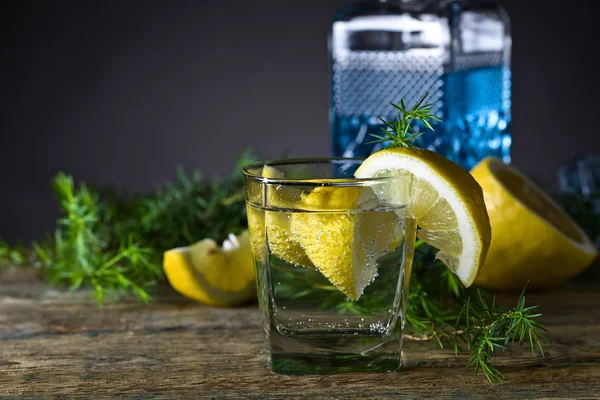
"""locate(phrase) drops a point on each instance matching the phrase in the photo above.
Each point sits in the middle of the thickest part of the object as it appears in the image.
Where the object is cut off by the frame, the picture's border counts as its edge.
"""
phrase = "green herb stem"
(401, 132)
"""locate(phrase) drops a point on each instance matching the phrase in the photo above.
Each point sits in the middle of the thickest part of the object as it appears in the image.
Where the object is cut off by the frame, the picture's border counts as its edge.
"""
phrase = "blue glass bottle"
(458, 51)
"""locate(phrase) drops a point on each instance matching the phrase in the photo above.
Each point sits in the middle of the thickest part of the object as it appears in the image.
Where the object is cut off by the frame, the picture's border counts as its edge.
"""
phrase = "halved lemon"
(534, 240)
(206, 272)
(447, 204)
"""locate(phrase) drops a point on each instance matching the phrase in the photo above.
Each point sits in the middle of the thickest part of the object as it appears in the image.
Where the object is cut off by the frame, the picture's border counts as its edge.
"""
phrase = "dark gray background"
(119, 92)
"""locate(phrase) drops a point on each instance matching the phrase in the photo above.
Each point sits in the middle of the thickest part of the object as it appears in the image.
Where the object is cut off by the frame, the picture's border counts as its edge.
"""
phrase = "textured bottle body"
(459, 53)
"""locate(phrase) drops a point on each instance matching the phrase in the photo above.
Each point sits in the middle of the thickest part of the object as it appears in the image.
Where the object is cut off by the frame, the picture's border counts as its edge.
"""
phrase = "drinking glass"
(332, 256)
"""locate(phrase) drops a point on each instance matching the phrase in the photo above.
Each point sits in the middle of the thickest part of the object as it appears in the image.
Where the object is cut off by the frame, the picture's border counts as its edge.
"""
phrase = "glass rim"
(341, 182)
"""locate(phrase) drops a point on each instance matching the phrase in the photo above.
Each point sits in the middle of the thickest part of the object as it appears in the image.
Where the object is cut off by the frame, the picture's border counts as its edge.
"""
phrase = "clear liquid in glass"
(312, 327)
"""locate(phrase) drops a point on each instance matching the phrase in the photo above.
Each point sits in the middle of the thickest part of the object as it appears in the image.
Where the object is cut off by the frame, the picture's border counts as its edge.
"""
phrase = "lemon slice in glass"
(276, 224)
(447, 204)
(343, 237)
(206, 272)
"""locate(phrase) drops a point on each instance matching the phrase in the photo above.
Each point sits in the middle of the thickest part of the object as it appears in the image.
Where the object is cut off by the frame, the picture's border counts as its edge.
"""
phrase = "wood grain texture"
(60, 345)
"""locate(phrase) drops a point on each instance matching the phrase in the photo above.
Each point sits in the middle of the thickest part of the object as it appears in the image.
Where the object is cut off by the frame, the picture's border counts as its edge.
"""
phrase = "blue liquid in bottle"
(459, 52)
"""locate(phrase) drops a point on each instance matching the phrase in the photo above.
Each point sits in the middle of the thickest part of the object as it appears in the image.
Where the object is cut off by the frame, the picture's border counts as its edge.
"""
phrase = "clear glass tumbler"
(331, 258)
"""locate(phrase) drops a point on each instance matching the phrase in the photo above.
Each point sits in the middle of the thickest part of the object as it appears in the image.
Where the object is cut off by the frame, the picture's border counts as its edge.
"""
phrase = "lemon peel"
(214, 275)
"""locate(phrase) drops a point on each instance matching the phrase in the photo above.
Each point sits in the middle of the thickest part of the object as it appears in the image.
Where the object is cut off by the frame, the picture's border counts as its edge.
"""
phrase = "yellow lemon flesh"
(276, 224)
(447, 204)
(534, 240)
(344, 245)
(219, 276)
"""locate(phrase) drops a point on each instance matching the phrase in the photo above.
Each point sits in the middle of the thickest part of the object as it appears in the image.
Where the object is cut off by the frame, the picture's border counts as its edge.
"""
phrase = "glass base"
(321, 364)
(303, 354)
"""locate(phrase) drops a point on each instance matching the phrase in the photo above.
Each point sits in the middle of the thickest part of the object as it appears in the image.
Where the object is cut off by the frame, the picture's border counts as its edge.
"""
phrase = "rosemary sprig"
(442, 310)
(85, 251)
(494, 330)
(401, 132)
(480, 326)
(11, 255)
(113, 241)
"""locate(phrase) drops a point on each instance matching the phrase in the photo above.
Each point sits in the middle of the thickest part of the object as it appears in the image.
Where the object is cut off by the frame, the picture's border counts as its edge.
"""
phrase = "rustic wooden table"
(60, 345)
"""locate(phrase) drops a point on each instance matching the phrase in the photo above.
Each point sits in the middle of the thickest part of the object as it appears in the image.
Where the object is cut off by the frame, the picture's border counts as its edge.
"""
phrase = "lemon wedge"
(447, 204)
(344, 245)
(276, 224)
(214, 275)
(534, 240)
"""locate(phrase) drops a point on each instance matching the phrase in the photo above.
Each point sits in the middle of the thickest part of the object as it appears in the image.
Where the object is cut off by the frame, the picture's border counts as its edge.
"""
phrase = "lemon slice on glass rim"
(447, 204)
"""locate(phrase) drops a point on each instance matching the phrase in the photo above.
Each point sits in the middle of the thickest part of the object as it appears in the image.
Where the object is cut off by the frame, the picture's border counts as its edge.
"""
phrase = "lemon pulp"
(213, 275)
(342, 240)
(275, 225)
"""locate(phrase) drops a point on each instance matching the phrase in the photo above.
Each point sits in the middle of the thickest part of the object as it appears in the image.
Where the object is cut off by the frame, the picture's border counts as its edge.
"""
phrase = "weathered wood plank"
(55, 343)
